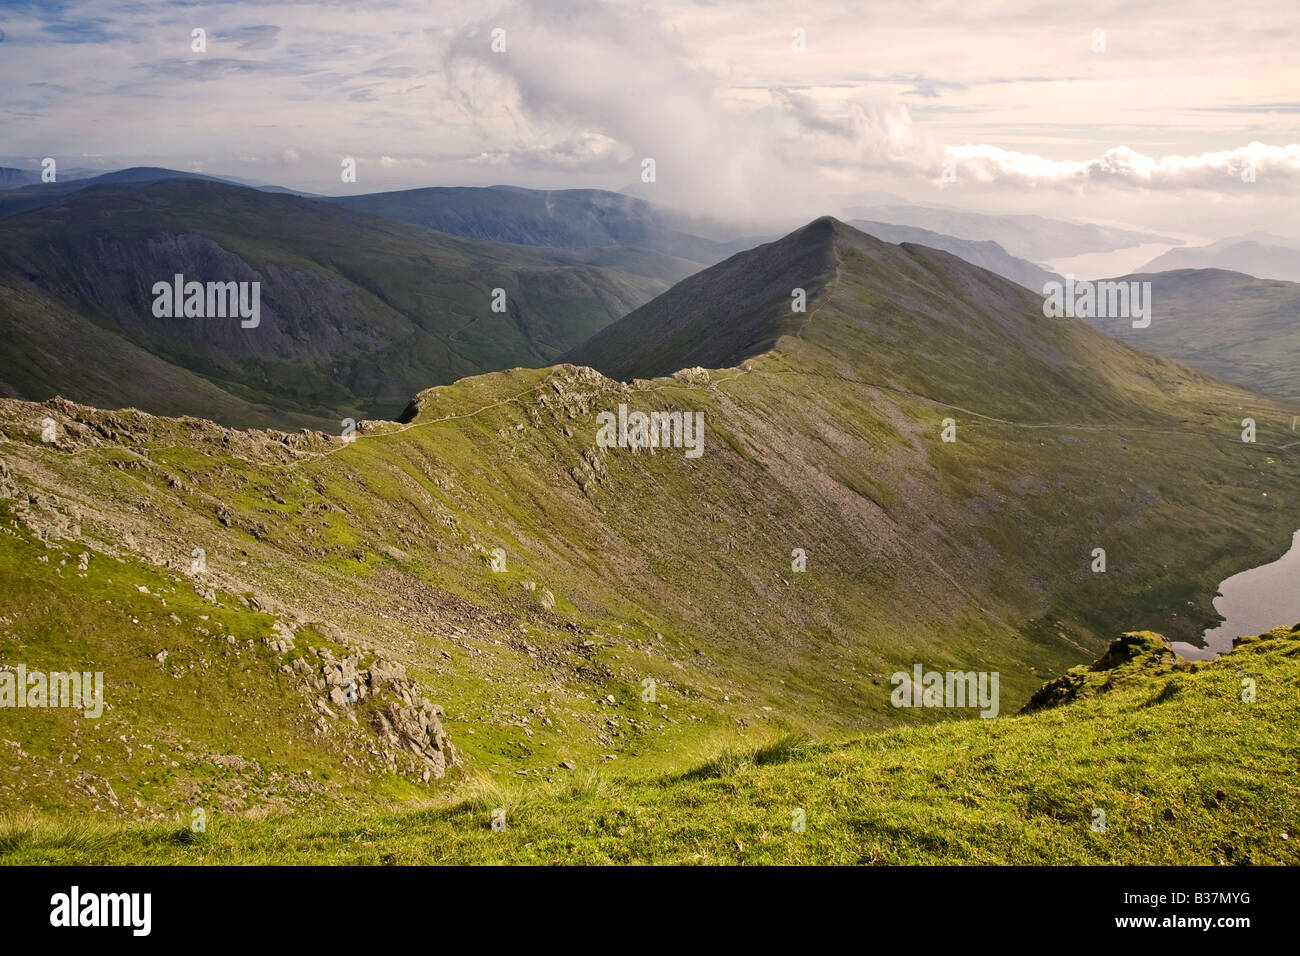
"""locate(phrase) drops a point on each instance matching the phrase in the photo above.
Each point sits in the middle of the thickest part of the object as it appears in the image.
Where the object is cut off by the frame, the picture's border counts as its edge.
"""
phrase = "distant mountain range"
(986, 254)
(566, 218)
(36, 194)
(74, 254)
(1035, 238)
(1259, 254)
(11, 176)
(359, 312)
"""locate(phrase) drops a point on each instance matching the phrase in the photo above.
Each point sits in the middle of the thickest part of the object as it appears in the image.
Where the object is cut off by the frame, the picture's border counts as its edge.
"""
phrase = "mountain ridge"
(986, 254)
(361, 311)
(567, 218)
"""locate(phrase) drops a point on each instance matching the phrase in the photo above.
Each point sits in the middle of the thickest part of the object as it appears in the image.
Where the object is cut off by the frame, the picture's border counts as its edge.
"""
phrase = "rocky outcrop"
(415, 729)
(1133, 656)
(405, 722)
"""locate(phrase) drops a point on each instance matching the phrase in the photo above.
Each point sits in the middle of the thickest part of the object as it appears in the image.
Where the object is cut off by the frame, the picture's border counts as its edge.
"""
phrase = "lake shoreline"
(1252, 602)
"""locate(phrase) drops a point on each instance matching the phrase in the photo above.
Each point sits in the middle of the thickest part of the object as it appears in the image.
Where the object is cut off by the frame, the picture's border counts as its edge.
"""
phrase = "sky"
(1179, 116)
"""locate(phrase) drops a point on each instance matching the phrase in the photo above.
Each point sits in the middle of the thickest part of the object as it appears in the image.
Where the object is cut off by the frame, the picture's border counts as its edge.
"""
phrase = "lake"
(1252, 602)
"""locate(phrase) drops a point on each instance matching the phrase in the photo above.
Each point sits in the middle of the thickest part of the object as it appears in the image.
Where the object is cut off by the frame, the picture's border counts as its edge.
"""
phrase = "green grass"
(1192, 776)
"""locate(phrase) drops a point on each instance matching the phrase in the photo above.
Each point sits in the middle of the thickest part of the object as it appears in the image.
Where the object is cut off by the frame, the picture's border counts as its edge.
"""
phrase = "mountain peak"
(823, 229)
(847, 305)
(744, 305)
(726, 313)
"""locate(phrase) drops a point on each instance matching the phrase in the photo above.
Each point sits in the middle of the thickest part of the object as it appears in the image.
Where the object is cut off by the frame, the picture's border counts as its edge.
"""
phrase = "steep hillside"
(720, 316)
(1169, 767)
(904, 316)
(987, 254)
(1242, 329)
(357, 313)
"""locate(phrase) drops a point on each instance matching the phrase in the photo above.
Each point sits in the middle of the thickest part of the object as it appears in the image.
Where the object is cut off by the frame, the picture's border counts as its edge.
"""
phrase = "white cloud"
(589, 152)
(1253, 164)
(735, 120)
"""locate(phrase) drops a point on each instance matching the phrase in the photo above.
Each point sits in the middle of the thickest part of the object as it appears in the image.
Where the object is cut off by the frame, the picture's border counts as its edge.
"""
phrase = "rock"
(417, 731)
(692, 376)
(568, 764)
(284, 634)
(382, 672)
(161, 656)
(281, 637)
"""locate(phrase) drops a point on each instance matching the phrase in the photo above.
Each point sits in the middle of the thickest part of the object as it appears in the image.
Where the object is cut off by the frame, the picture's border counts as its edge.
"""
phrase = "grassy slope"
(215, 724)
(382, 538)
(1184, 771)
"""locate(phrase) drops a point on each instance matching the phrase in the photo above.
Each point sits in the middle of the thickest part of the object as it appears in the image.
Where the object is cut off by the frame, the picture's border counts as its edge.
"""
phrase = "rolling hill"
(1242, 329)
(358, 313)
